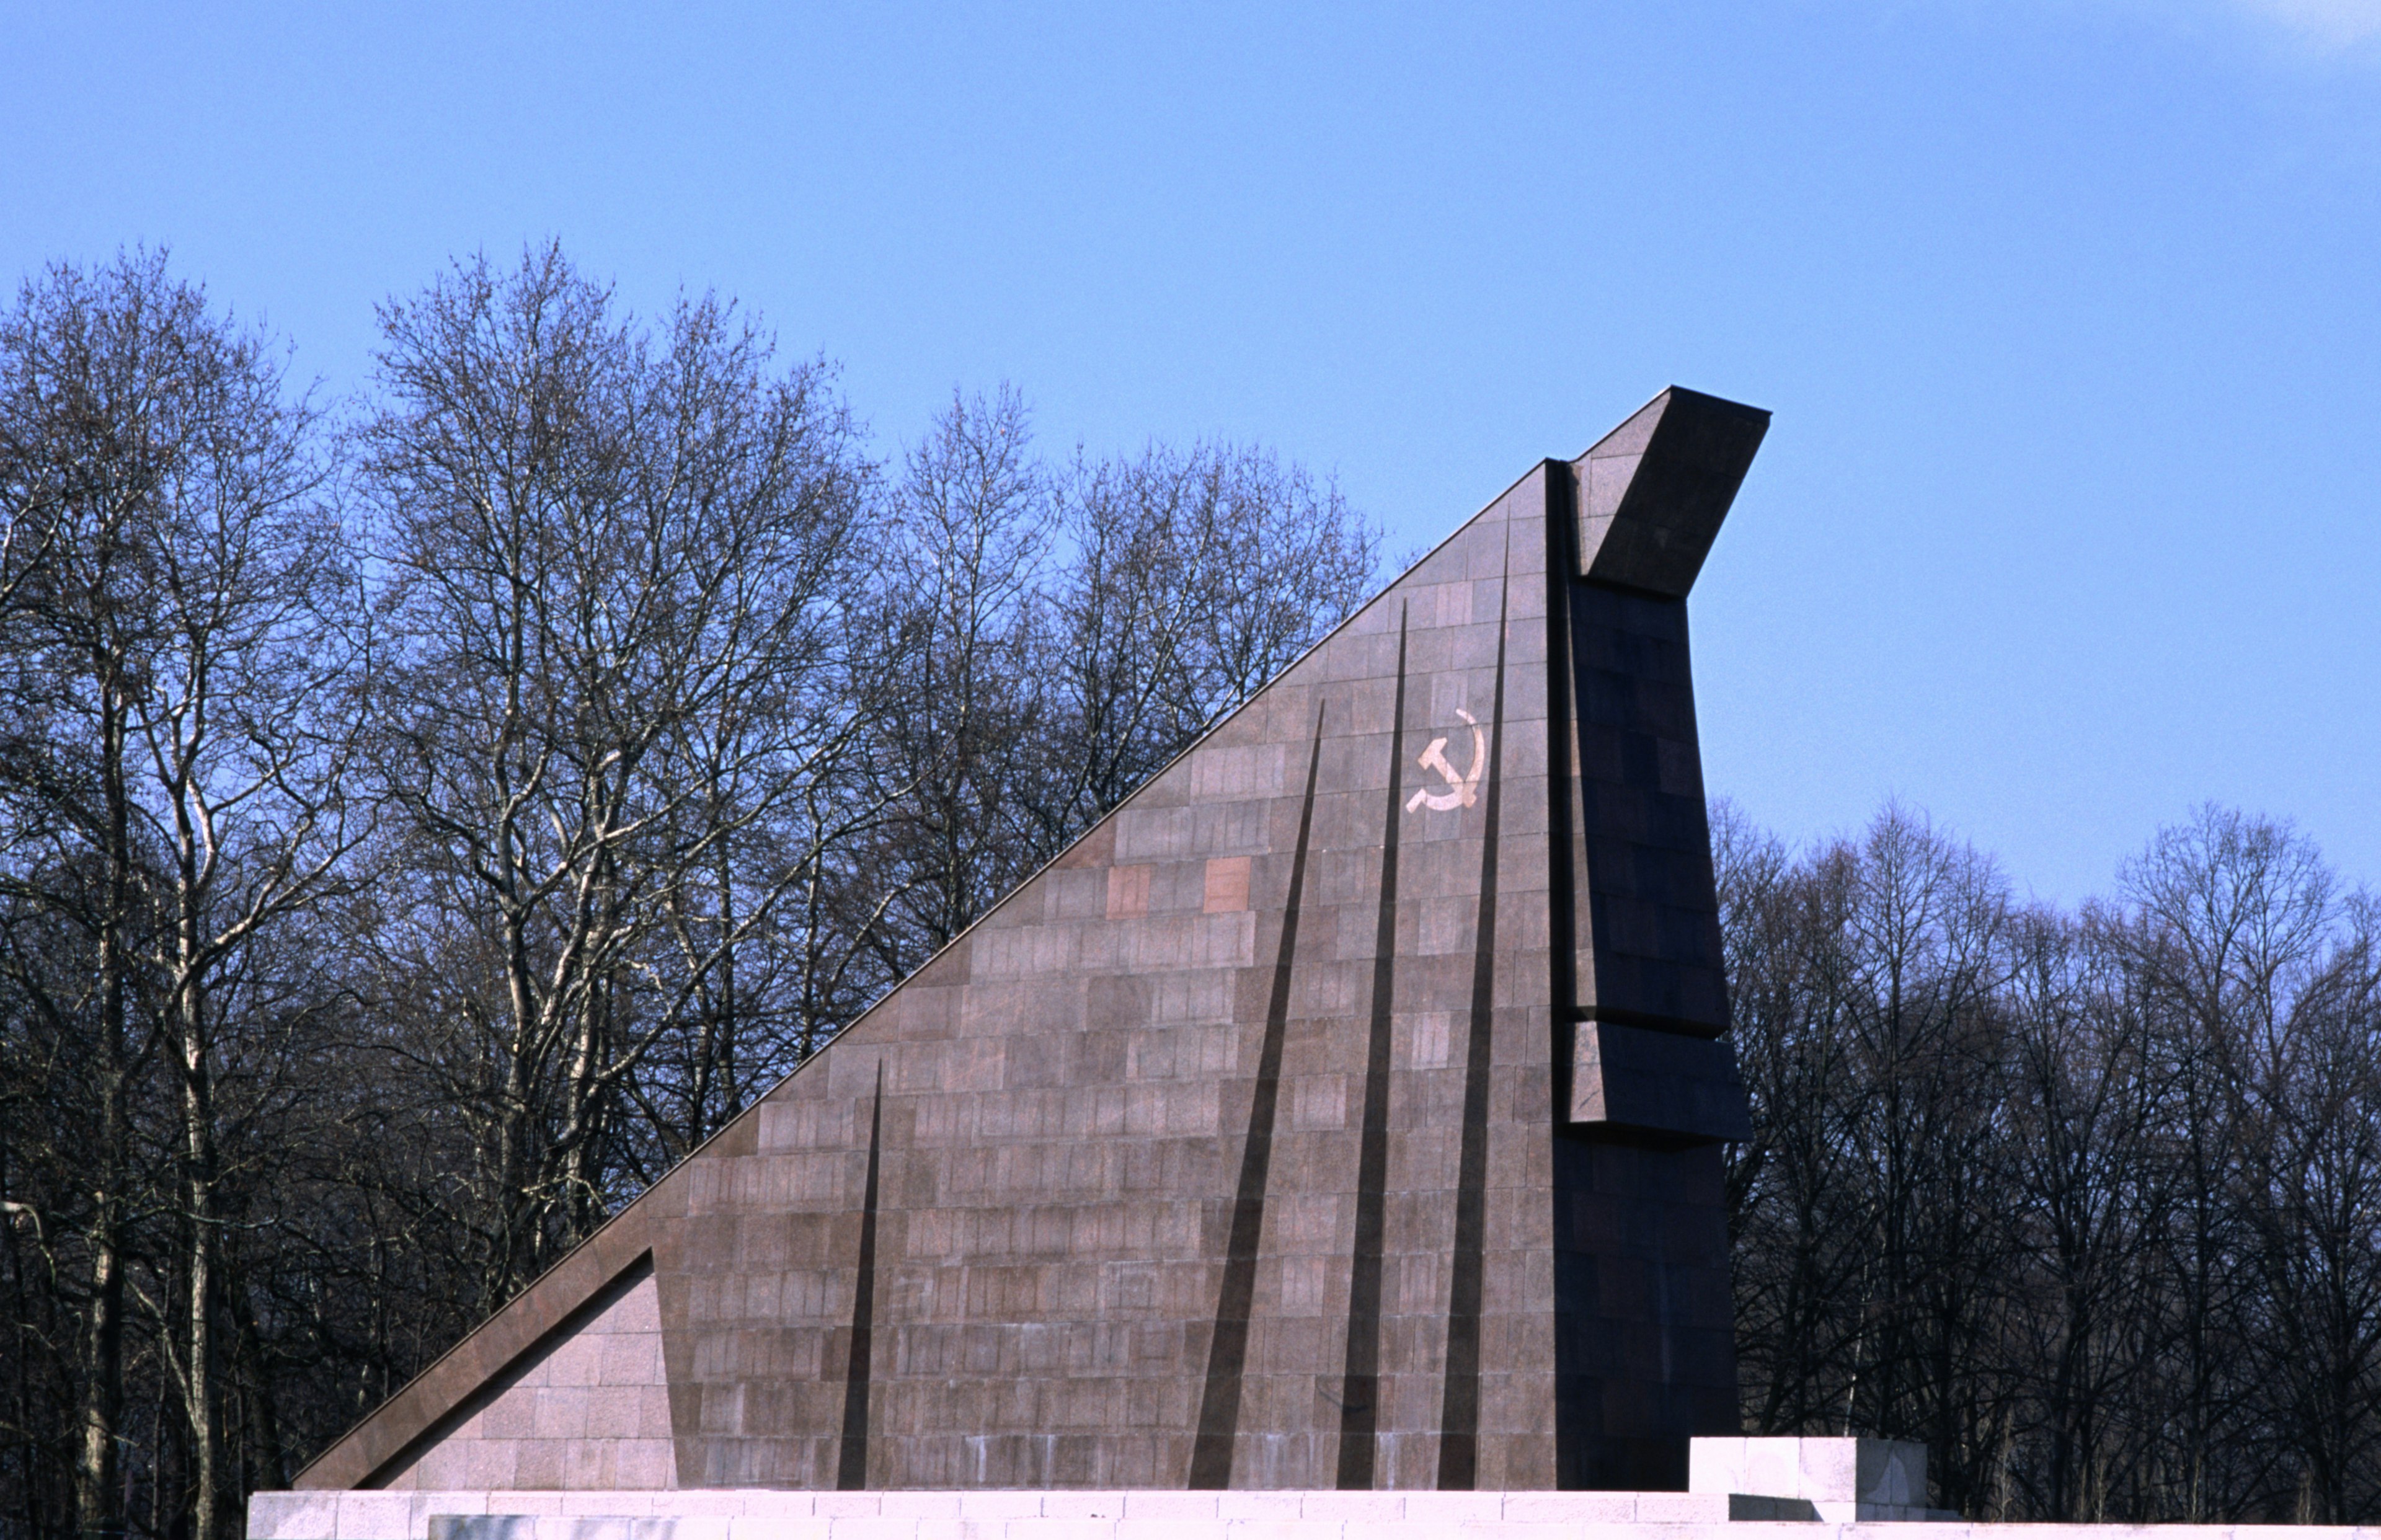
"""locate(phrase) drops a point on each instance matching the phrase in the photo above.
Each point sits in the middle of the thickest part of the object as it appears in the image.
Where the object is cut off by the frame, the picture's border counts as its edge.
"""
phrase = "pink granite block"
(1171, 1505)
(1571, 1507)
(1179, 1527)
(1054, 1529)
(374, 1516)
(780, 1528)
(293, 1516)
(644, 1462)
(1449, 1508)
(487, 1462)
(1280, 1529)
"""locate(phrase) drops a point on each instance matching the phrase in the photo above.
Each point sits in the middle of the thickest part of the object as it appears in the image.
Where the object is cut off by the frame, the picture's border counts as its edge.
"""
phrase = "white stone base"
(1840, 1481)
(1740, 1489)
(979, 1515)
(1073, 1515)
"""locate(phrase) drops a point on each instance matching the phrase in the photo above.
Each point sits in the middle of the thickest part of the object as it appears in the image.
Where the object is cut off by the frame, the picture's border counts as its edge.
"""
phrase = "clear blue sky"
(2069, 310)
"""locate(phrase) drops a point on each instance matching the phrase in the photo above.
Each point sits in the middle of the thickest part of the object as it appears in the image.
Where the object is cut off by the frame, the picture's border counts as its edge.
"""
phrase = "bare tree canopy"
(621, 565)
(2085, 1201)
(180, 650)
(1067, 630)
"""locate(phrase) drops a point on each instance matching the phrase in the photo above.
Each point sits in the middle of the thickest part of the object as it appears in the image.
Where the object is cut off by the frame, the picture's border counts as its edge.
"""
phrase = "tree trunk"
(97, 1499)
(198, 1396)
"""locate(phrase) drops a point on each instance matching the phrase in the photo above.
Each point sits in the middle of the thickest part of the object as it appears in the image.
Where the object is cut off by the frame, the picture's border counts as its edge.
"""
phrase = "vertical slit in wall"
(852, 1465)
(1574, 1281)
(1219, 1403)
(1360, 1385)
(1459, 1438)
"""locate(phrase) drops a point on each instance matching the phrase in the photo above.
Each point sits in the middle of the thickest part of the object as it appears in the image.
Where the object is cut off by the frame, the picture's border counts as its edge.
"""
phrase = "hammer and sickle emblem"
(1462, 790)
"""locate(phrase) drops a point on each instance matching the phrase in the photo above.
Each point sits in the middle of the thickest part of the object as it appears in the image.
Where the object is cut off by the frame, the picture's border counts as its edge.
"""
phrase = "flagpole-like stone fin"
(1653, 492)
(1650, 498)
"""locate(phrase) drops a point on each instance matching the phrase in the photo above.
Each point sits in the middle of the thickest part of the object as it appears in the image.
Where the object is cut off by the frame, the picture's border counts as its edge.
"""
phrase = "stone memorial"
(1324, 1147)
(1343, 1111)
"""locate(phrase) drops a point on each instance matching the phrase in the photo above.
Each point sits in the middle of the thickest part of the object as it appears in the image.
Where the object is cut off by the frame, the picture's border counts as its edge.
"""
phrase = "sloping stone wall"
(589, 1410)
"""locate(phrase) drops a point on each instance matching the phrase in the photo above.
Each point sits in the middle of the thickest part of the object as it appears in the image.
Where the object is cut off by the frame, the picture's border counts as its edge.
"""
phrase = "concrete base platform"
(1741, 1489)
(970, 1515)
(1078, 1515)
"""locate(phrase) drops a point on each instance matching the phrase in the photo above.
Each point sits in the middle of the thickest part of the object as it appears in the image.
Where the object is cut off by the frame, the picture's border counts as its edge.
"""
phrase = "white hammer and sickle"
(1461, 790)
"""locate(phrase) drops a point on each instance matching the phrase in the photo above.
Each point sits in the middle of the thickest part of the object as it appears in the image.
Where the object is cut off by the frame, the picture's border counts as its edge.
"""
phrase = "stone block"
(1842, 1480)
(1661, 1083)
(1650, 493)
(1180, 1527)
(749, 1528)
(375, 1516)
(293, 1516)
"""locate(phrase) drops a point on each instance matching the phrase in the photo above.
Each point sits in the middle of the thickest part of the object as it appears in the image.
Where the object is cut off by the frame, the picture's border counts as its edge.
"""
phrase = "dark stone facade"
(1341, 1111)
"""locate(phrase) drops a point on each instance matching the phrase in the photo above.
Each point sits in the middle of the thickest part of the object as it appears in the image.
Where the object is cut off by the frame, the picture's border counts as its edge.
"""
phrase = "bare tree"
(2084, 1110)
(1074, 629)
(1196, 576)
(969, 620)
(2084, 1201)
(1873, 1060)
(1796, 1186)
(621, 559)
(2227, 908)
(182, 642)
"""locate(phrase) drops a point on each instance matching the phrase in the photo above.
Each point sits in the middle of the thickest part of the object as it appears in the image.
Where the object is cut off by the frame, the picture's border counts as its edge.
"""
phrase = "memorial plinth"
(1813, 1485)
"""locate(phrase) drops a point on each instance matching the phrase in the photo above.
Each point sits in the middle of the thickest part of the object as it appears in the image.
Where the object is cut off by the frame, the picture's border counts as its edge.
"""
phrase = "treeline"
(425, 818)
(2089, 1203)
